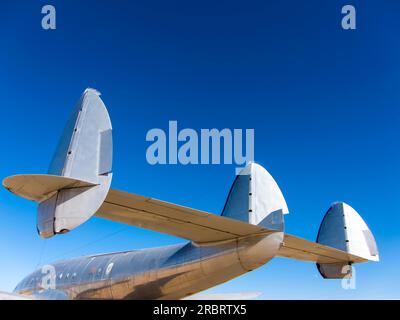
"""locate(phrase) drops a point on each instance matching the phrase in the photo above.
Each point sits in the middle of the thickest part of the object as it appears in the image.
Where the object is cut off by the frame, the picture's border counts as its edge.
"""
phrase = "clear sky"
(324, 103)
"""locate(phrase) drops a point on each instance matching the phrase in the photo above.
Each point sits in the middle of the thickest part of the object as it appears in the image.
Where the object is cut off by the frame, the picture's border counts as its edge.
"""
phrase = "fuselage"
(172, 272)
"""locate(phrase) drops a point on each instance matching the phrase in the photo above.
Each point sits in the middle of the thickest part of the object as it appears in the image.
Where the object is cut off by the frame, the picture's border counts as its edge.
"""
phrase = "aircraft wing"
(172, 219)
(301, 249)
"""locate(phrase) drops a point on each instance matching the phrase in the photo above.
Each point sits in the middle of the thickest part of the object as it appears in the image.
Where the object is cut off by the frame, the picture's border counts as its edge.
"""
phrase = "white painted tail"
(344, 229)
(256, 198)
(79, 175)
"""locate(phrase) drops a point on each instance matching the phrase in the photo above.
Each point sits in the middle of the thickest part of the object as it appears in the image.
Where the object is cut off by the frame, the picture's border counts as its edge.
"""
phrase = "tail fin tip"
(256, 198)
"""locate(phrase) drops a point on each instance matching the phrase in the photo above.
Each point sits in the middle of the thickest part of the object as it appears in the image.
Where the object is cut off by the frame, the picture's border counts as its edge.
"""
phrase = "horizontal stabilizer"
(164, 217)
(301, 249)
(39, 187)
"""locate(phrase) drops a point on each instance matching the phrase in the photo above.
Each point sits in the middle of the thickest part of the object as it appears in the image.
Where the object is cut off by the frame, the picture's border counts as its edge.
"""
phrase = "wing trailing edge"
(191, 224)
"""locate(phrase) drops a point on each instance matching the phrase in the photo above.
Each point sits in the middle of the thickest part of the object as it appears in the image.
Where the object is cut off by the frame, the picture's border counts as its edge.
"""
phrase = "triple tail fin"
(80, 173)
(256, 198)
(344, 229)
(343, 239)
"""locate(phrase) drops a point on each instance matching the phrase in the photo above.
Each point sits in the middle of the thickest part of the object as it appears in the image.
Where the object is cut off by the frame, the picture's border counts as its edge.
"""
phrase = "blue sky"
(324, 104)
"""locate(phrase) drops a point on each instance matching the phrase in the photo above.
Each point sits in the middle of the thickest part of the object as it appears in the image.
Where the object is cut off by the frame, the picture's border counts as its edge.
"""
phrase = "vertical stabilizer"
(256, 198)
(344, 229)
(83, 153)
(79, 175)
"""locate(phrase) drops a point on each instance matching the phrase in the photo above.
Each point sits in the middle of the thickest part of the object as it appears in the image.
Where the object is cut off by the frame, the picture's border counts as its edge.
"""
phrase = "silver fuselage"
(172, 272)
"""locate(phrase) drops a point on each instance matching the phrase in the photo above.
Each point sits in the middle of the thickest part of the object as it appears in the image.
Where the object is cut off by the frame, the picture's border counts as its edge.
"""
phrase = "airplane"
(248, 233)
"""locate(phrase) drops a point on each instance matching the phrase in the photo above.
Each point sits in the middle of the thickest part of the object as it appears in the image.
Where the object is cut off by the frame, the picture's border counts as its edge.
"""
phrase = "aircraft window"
(67, 275)
(61, 275)
(74, 275)
(99, 271)
(109, 268)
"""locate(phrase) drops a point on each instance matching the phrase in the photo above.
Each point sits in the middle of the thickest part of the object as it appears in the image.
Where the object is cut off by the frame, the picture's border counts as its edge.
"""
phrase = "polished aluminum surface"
(172, 272)
(247, 235)
(84, 153)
